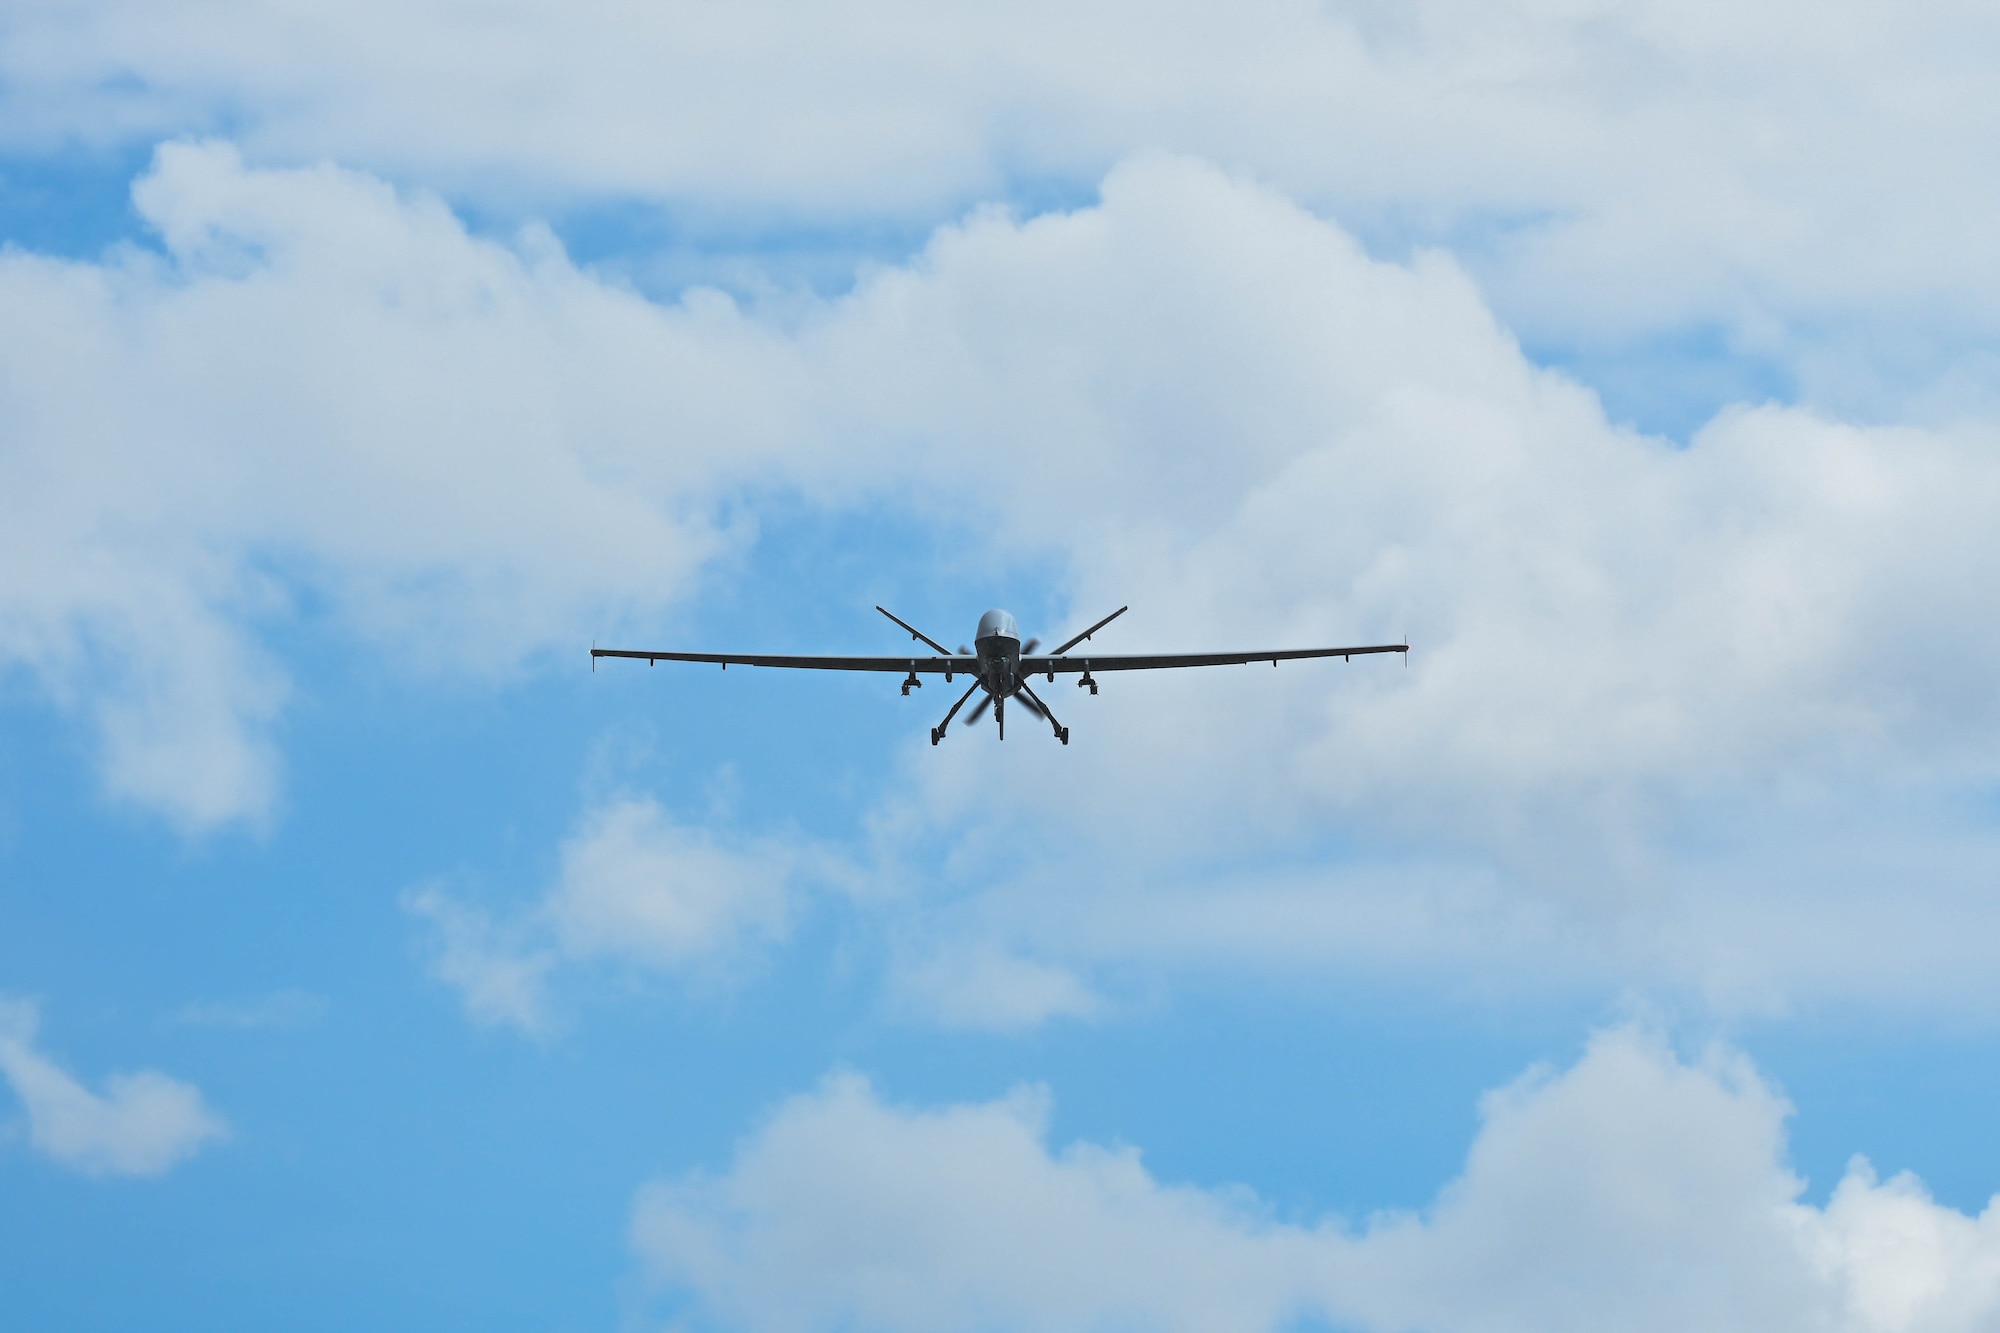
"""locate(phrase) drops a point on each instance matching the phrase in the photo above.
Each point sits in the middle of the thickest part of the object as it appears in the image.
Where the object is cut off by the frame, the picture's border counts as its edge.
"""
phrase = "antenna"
(1087, 633)
(915, 633)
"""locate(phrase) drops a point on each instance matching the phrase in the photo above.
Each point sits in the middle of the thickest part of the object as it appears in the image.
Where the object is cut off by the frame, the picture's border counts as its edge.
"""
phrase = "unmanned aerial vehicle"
(1000, 664)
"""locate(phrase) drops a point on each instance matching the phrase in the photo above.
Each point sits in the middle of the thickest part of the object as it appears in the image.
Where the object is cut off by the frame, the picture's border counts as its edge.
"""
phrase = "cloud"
(1631, 1191)
(1620, 173)
(279, 1009)
(143, 1124)
(976, 986)
(451, 440)
(637, 885)
(1214, 406)
(1636, 663)
(635, 888)
(322, 391)
(500, 975)
(1193, 396)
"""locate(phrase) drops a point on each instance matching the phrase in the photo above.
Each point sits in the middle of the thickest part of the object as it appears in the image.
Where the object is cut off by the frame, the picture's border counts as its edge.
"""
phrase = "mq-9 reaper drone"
(1000, 664)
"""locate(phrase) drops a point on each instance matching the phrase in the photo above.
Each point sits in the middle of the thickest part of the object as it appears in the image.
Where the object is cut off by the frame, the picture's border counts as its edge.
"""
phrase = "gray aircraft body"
(1000, 664)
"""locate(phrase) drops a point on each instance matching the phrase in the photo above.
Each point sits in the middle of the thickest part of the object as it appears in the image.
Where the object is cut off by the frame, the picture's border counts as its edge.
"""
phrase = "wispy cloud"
(500, 972)
(636, 887)
(279, 1010)
(142, 1124)
(979, 985)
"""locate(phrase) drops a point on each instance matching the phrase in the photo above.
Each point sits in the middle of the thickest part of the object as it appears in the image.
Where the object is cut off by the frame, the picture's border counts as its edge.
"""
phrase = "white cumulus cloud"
(1631, 1191)
(326, 388)
(1791, 181)
(1191, 395)
(1252, 432)
(141, 1124)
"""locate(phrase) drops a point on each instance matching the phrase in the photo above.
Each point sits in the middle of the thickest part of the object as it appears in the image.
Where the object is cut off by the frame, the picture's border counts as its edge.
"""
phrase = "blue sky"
(1625, 960)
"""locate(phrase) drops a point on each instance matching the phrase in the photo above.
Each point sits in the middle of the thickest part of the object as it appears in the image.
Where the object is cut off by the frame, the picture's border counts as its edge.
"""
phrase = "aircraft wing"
(1041, 666)
(950, 664)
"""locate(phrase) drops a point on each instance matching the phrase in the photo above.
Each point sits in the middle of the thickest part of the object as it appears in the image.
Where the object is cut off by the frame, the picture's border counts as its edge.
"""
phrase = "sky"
(1628, 958)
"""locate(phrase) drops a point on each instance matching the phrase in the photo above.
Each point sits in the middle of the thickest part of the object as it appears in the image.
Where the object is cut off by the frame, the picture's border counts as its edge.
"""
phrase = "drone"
(1000, 664)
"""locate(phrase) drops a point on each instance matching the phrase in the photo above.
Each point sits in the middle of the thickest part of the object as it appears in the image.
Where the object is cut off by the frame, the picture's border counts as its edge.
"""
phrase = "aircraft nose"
(998, 622)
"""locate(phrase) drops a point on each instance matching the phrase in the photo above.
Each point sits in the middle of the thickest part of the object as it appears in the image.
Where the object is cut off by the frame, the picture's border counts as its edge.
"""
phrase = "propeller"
(979, 710)
(1030, 646)
(1028, 703)
(964, 651)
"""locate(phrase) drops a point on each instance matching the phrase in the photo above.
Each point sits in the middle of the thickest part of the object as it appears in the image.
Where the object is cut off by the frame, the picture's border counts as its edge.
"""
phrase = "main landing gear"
(937, 732)
(1026, 697)
(1035, 704)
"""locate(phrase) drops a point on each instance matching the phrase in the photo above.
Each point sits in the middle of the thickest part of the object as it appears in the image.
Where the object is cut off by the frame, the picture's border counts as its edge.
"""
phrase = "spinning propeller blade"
(979, 710)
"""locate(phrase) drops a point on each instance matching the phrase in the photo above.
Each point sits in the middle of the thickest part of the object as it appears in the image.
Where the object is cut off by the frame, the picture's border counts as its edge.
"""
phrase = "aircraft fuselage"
(998, 644)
